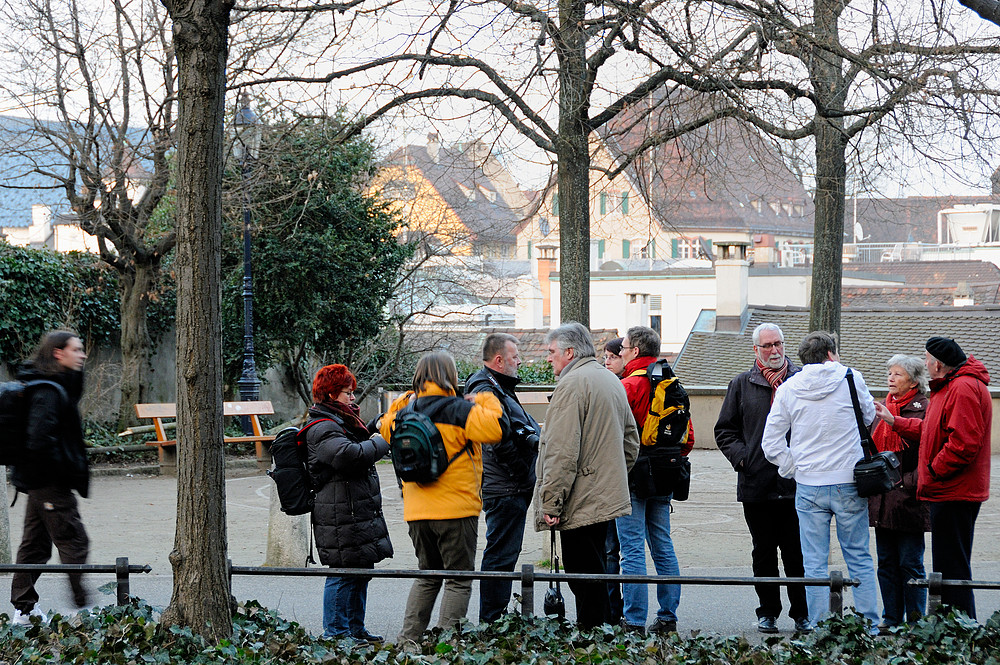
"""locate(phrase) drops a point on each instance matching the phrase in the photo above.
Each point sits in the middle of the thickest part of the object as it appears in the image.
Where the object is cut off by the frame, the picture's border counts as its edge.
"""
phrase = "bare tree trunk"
(987, 9)
(201, 597)
(135, 342)
(826, 72)
(573, 155)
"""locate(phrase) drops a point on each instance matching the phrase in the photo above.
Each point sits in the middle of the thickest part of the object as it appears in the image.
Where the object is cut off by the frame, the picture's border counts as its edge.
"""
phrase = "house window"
(648, 249)
(543, 225)
(624, 203)
(655, 322)
(684, 248)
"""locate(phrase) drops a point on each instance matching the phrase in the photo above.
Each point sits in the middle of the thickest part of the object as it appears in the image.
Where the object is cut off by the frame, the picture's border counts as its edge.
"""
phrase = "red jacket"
(637, 388)
(640, 394)
(954, 462)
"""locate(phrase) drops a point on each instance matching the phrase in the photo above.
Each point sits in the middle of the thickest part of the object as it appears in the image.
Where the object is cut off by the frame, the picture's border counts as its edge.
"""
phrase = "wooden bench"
(168, 447)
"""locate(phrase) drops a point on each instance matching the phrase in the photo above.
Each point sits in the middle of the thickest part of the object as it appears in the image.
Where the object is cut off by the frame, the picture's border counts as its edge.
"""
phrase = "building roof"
(22, 154)
(869, 337)
(487, 208)
(900, 220)
(924, 283)
(722, 177)
(938, 273)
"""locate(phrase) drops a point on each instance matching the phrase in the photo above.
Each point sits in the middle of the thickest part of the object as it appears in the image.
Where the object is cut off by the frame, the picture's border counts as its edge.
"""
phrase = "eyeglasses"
(773, 345)
(349, 393)
(627, 347)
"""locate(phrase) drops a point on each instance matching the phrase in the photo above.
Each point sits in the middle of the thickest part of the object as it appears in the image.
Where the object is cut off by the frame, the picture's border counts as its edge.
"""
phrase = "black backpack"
(289, 473)
(14, 417)
(415, 444)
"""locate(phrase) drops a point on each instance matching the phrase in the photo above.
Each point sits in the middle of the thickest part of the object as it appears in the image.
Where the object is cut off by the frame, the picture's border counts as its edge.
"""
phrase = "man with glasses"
(768, 499)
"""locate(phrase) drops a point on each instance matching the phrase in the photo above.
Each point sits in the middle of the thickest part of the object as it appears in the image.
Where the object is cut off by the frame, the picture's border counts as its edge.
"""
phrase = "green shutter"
(626, 249)
(600, 249)
(673, 248)
(652, 248)
(624, 203)
(529, 250)
(604, 203)
(555, 203)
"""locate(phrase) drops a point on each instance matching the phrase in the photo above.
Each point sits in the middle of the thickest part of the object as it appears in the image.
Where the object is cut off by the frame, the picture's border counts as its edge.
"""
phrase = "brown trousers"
(51, 518)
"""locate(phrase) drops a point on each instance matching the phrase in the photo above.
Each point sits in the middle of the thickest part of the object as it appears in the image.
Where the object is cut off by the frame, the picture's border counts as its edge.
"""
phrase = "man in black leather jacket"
(55, 464)
(508, 471)
(768, 500)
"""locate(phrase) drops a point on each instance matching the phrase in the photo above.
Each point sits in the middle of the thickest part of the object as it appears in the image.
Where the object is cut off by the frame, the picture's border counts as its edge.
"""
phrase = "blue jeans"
(344, 601)
(504, 533)
(648, 523)
(900, 559)
(816, 506)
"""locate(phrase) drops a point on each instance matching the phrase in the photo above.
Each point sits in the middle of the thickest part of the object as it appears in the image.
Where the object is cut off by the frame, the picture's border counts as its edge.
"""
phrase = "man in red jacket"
(953, 472)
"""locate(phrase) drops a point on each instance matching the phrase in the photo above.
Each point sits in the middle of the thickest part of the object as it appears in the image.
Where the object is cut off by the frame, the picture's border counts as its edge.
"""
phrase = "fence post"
(527, 590)
(934, 587)
(121, 576)
(836, 592)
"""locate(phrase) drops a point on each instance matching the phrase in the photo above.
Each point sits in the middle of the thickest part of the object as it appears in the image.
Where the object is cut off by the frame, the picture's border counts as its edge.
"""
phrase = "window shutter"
(600, 249)
(604, 203)
(624, 203)
(529, 250)
(673, 248)
(652, 248)
(555, 203)
(626, 249)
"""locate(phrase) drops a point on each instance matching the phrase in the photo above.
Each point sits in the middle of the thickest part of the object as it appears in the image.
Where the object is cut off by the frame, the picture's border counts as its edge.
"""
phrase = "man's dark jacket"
(739, 431)
(55, 455)
(509, 466)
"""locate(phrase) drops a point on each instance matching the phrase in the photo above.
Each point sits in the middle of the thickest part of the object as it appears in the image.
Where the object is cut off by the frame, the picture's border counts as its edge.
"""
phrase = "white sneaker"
(21, 619)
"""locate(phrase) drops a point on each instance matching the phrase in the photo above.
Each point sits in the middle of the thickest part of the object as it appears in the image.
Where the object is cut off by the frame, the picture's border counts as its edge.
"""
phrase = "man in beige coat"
(588, 443)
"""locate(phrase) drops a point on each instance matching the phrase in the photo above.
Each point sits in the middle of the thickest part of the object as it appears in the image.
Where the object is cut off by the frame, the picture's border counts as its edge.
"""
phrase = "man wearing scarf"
(768, 499)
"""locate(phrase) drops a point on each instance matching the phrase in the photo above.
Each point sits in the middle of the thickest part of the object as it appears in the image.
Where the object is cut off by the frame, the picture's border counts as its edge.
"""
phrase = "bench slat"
(169, 409)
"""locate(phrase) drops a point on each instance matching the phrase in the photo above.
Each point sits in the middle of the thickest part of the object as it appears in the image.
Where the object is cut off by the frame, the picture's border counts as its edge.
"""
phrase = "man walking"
(508, 471)
(588, 444)
(54, 465)
(768, 499)
(816, 406)
(953, 471)
(649, 521)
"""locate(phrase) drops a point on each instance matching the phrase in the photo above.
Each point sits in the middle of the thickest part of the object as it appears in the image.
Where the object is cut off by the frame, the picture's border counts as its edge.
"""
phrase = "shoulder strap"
(862, 430)
(433, 410)
(302, 430)
(45, 382)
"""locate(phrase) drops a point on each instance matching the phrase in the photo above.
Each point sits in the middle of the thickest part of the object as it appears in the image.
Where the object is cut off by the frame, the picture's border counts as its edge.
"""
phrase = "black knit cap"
(946, 350)
(614, 346)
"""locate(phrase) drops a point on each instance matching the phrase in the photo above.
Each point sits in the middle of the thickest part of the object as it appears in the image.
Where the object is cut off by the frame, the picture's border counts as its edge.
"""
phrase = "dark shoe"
(661, 627)
(767, 625)
(632, 628)
(364, 636)
(802, 625)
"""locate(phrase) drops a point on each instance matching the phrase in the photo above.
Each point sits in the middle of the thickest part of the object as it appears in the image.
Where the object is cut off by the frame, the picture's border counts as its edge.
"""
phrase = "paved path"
(133, 516)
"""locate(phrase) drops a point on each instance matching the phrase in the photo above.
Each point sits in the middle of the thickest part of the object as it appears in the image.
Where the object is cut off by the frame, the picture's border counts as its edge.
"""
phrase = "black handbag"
(876, 473)
(662, 474)
(553, 604)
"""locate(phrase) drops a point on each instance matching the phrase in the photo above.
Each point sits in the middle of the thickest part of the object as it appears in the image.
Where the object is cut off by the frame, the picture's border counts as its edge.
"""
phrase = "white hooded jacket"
(815, 405)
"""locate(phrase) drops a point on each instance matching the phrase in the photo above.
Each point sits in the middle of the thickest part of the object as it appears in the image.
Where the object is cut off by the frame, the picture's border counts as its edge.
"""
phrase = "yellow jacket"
(457, 492)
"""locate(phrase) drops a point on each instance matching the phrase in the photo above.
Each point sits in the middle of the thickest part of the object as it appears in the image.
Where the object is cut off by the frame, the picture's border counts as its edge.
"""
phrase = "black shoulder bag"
(553, 603)
(876, 473)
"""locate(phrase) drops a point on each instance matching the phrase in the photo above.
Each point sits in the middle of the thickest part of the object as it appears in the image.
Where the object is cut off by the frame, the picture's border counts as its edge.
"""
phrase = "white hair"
(914, 368)
(766, 326)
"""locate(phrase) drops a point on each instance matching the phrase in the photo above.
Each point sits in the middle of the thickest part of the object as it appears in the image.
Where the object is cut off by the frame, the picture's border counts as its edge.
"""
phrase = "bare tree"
(827, 71)
(97, 85)
(201, 597)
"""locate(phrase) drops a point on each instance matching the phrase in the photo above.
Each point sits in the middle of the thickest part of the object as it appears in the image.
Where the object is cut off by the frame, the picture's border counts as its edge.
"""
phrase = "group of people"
(791, 433)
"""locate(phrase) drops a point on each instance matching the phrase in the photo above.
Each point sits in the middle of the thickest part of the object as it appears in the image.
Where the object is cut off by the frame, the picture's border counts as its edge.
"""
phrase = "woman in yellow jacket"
(443, 516)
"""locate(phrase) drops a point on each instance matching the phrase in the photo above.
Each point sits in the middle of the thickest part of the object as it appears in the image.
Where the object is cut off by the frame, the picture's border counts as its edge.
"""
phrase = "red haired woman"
(347, 518)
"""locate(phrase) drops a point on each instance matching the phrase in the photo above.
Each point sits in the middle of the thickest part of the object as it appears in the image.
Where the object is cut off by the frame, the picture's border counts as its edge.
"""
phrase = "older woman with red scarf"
(900, 520)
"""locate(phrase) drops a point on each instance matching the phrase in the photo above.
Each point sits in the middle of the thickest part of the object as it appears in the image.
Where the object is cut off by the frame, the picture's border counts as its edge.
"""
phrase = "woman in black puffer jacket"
(347, 519)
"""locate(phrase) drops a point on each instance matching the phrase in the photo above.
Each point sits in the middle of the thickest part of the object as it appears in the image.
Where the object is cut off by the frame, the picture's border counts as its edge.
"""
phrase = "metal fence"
(527, 577)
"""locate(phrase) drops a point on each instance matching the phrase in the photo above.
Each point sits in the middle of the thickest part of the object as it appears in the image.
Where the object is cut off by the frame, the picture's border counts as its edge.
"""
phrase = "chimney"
(732, 274)
(963, 295)
(433, 146)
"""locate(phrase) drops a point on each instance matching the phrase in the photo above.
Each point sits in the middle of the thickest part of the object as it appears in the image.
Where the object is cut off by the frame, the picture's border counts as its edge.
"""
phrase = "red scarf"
(773, 376)
(885, 439)
(351, 413)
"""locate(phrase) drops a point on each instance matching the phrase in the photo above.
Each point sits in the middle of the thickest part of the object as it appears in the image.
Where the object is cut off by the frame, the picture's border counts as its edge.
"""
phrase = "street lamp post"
(245, 145)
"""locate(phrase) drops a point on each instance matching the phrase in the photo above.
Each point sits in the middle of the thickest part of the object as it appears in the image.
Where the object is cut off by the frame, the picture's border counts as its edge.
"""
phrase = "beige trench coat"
(588, 443)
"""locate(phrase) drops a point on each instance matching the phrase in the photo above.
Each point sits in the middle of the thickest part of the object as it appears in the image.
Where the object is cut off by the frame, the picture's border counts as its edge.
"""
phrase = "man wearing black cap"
(954, 463)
